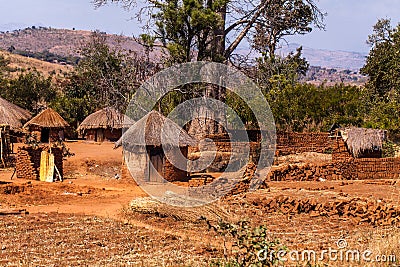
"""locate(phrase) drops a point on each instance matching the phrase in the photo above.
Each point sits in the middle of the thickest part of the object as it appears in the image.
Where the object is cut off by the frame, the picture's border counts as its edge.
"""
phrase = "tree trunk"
(209, 121)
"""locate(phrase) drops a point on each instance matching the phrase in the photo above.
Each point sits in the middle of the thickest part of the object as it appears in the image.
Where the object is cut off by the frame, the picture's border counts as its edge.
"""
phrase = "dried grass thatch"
(360, 140)
(213, 212)
(12, 115)
(47, 119)
(106, 118)
(155, 130)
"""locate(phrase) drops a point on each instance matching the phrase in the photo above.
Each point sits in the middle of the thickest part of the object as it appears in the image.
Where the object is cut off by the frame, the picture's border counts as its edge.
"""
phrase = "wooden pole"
(1, 147)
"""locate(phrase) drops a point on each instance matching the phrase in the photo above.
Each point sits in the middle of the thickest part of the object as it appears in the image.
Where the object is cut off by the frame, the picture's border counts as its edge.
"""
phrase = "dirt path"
(89, 187)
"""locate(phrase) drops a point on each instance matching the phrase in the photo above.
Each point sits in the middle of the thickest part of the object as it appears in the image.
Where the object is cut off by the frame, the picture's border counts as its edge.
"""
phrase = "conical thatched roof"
(155, 130)
(48, 119)
(359, 140)
(106, 118)
(12, 115)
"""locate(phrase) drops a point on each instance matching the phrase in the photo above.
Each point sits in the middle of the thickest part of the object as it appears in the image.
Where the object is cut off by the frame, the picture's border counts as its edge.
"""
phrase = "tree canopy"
(383, 61)
(213, 29)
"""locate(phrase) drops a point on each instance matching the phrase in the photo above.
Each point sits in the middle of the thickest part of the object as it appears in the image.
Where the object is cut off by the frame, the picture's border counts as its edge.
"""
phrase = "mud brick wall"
(340, 151)
(372, 168)
(172, 173)
(350, 169)
(169, 171)
(295, 143)
(28, 162)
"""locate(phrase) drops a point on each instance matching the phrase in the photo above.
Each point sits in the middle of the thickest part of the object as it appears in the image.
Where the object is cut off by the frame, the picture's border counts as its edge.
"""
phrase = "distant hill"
(61, 46)
(329, 59)
(60, 42)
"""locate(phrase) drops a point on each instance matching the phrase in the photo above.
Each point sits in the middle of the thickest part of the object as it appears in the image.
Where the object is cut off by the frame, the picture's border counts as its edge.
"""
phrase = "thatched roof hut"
(155, 130)
(362, 140)
(48, 125)
(12, 115)
(146, 144)
(106, 118)
(47, 119)
(105, 124)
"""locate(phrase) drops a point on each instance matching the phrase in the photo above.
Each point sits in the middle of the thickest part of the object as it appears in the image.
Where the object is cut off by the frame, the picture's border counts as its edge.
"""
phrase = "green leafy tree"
(278, 72)
(385, 114)
(306, 107)
(104, 77)
(31, 91)
(383, 61)
(215, 28)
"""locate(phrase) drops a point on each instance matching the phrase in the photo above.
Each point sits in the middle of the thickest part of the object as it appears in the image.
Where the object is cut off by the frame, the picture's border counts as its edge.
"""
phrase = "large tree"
(212, 30)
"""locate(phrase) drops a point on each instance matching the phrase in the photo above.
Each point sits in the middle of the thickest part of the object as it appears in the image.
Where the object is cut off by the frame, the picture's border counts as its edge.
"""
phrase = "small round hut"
(48, 126)
(104, 125)
(145, 146)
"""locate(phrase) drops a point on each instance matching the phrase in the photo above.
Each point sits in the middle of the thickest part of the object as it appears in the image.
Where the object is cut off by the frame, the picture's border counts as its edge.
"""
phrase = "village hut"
(12, 115)
(48, 125)
(362, 142)
(104, 125)
(151, 144)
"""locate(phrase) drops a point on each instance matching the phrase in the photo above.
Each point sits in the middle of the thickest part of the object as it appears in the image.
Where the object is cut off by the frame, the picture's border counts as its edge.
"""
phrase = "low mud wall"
(385, 168)
(350, 169)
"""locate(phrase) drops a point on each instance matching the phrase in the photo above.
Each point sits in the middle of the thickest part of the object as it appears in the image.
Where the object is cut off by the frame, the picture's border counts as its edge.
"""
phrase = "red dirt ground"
(85, 220)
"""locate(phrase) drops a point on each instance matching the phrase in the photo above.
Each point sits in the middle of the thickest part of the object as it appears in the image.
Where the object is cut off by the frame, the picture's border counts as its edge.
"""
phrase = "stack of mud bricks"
(341, 170)
(288, 143)
(28, 161)
(225, 186)
(358, 211)
(196, 182)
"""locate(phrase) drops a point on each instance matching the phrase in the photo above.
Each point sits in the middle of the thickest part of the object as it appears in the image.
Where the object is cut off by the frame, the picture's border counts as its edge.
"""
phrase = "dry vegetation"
(20, 64)
(94, 219)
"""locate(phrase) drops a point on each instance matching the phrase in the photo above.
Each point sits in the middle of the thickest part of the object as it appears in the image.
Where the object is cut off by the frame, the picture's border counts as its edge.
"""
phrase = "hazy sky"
(348, 22)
